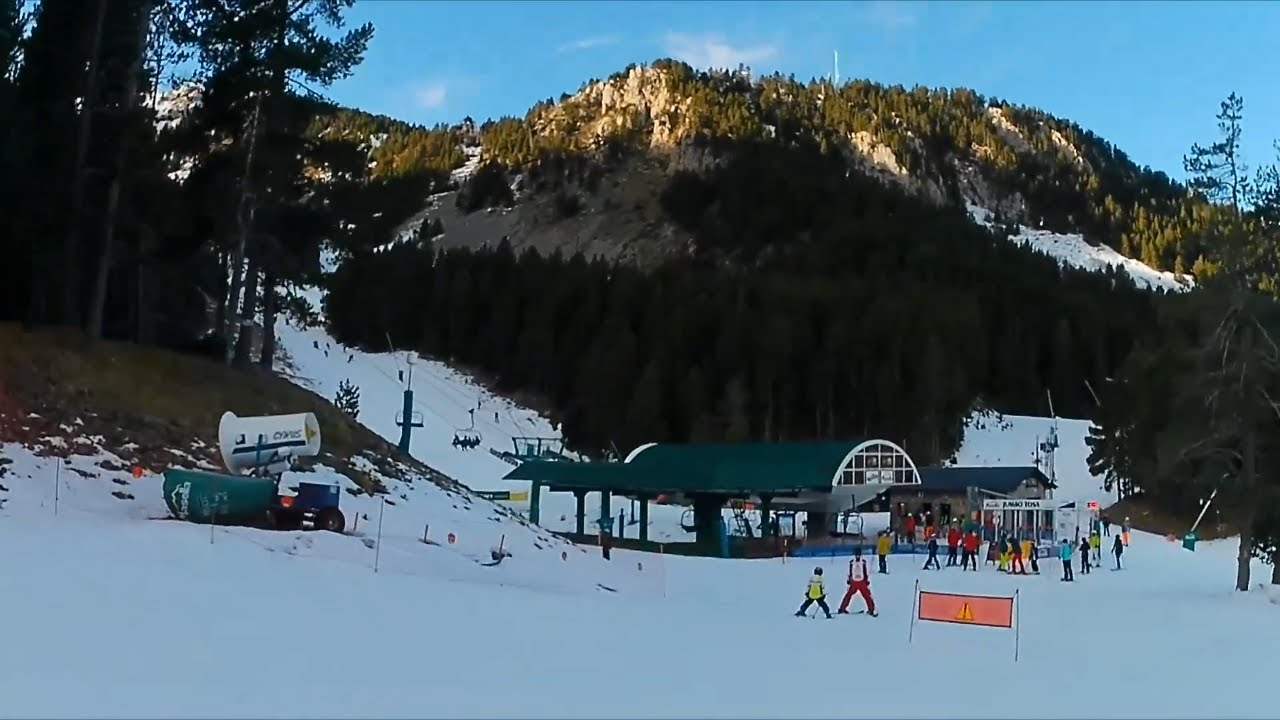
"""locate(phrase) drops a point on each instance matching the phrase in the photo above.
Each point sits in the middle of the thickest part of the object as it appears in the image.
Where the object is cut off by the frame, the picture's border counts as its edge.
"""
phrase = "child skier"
(816, 593)
(1124, 531)
(1117, 548)
(1095, 544)
(970, 555)
(882, 552)
(933, 555)
(1084, 555)
(859, 582)
(1064, 554)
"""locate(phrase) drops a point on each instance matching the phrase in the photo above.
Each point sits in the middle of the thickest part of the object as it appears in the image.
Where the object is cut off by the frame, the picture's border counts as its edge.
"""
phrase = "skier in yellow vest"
(815, 593)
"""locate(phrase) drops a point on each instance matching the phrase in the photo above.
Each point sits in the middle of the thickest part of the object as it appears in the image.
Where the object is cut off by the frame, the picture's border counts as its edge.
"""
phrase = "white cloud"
(431, 96)
(711, 50)
(587, 43)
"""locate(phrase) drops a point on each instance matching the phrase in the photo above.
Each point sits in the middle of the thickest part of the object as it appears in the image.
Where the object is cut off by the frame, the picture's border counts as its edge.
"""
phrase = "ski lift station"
(833, 483)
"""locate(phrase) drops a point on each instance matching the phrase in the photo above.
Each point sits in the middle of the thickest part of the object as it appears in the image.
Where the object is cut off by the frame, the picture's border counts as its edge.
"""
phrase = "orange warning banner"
(966, 609)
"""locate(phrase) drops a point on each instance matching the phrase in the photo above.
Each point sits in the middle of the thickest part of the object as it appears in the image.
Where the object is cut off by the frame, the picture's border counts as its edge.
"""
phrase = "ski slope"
(153, 620)
(1073, 250)
(993, 439)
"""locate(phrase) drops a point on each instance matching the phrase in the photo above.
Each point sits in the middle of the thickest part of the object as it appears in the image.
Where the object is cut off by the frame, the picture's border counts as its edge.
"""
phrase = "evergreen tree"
(347, 399)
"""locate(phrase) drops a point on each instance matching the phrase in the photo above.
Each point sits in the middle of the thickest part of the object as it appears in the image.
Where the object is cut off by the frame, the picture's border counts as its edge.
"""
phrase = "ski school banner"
(985, 610)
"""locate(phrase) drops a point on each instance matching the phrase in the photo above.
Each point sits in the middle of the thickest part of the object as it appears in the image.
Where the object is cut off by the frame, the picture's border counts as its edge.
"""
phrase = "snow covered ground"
(151, 619)
(1073, 250)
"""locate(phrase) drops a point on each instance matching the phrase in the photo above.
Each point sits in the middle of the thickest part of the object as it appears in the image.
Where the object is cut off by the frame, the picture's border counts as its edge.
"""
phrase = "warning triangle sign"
(965, 614)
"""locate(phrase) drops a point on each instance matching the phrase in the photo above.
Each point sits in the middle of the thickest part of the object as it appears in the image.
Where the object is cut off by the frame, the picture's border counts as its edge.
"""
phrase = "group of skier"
(1006, 553)
(1090, 553)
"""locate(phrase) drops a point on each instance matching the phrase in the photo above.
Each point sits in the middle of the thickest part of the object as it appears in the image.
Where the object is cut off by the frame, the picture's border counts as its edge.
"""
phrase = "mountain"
(586, 172)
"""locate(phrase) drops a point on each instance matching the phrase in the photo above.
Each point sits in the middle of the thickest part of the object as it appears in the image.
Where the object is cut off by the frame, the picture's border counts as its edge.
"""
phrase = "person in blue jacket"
(1064, 554)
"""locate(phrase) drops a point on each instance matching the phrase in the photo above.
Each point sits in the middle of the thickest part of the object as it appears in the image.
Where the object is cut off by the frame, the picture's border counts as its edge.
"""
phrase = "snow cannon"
(266, 444)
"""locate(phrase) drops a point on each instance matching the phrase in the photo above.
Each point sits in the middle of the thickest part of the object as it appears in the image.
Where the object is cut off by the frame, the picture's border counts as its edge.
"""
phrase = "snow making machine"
(256, 452)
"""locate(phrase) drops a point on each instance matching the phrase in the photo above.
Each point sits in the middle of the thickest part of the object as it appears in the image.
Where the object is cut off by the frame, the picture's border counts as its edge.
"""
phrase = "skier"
(911, 529)
(970, 554)
(1035, 564)
(933, 555)
(1064, 554)
(1003, 563)
(882, 552)
(816, 593)
(1117, 548)
(1084, 555)
(1124, 531)
(1095, 544)
(859, 582)
(1015, 562)
(953, 545)
(1106, 526)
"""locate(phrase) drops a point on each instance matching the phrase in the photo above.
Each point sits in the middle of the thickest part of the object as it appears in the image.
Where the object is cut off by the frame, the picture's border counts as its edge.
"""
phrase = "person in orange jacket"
(859, 582)
(953, 545)
(971, 545)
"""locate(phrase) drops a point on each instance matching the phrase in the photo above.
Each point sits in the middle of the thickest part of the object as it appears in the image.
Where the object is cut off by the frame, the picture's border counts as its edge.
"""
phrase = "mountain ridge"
(606, 147)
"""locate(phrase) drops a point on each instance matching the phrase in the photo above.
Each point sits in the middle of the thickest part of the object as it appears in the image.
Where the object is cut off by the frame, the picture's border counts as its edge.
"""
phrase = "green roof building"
(820, 478)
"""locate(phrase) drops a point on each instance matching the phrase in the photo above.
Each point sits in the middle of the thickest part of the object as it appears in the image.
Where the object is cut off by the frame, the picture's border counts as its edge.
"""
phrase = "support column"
(644, 517)
(580, 499)
(817, 528)
(606, 512)
(766, 521)
(707, 520)
(535, 502)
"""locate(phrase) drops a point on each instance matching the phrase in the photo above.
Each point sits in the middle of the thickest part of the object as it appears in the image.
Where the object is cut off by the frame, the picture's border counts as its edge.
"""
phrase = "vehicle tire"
(331, 519)
(286, 520)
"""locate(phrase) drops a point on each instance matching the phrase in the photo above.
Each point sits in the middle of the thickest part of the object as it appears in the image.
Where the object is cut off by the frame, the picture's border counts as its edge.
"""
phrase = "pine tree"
(348, 399)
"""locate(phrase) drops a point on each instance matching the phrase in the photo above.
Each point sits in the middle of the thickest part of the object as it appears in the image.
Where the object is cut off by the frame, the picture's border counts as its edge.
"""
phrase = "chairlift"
(467, 438)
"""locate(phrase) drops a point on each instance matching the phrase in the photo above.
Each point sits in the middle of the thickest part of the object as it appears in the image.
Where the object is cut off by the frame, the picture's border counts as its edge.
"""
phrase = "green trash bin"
(1189, 541)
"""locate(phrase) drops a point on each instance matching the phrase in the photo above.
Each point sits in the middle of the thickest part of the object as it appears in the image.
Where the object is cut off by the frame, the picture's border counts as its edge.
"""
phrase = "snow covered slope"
(992, 439)
(143, 615)
(1074, 251)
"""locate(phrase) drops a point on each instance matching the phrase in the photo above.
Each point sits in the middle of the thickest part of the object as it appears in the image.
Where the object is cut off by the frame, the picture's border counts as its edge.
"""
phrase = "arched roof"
(770, 467)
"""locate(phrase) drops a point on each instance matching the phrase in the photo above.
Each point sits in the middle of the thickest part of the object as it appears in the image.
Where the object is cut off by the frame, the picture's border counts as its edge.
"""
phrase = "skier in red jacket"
(953, 544)
(971, 544)
(859, 582)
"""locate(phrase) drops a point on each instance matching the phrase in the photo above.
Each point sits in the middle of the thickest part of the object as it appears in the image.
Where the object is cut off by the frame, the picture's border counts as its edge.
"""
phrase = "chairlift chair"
(467, 438)
(687, 522)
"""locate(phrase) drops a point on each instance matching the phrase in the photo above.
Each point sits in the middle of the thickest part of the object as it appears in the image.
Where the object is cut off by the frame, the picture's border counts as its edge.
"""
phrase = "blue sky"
(1146, 75)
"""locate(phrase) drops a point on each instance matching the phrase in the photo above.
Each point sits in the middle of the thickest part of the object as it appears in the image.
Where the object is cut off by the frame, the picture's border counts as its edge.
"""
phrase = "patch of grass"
(154, 400)
(1151, 517)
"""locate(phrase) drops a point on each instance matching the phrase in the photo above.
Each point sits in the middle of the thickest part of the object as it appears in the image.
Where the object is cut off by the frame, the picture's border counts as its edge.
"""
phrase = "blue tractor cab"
(314, 503)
